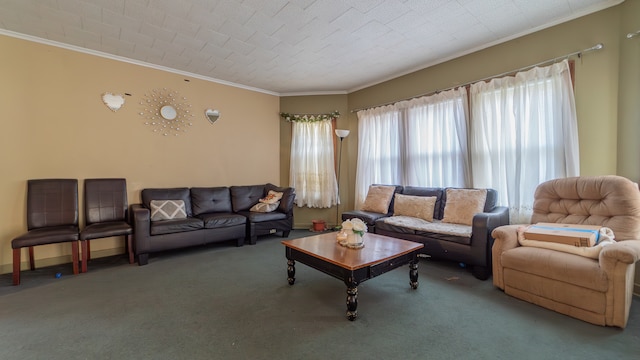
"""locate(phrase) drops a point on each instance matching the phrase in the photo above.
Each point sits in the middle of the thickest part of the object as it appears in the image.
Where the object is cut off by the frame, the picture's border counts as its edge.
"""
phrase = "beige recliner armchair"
(597, 290)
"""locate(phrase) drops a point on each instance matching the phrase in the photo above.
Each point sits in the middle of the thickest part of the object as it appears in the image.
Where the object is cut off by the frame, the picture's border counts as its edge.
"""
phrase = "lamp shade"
(341, 133)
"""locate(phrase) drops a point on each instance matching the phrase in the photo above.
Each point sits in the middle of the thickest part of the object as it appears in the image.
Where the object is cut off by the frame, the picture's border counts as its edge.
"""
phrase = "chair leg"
(74, 256)
(130, 249)
(88, 250)
(16, 266)
(32, 263)
(85, 254)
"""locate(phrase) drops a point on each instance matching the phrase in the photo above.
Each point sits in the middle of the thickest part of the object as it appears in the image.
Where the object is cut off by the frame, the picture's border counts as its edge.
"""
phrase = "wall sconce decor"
(113, 101)
(212, 115)
(166, 112)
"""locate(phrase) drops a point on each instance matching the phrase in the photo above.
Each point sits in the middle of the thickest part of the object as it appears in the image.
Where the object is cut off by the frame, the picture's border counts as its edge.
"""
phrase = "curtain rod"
(579, 53)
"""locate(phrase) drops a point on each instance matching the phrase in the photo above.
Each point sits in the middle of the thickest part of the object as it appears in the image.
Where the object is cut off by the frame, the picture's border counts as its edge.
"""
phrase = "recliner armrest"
(505, 238)
(627, 251)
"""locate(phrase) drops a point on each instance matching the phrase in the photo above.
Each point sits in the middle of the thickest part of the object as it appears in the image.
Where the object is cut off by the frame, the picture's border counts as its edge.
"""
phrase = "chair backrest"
(610, 201)
(105, 200)
(52, 202)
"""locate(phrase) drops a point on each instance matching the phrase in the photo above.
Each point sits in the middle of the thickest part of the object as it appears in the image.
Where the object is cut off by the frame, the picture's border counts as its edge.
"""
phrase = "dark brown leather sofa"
(473, 251)
(213, 215)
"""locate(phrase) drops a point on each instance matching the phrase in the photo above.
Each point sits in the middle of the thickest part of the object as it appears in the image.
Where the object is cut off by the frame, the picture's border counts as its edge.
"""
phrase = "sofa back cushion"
(461, 205)
(438, 193)
(244, 197)
(420, 207)
(210, 200)
(379, 198)
(167, 194)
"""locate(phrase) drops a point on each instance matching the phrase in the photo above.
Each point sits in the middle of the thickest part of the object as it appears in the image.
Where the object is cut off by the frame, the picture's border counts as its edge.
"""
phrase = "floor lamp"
(340, 134)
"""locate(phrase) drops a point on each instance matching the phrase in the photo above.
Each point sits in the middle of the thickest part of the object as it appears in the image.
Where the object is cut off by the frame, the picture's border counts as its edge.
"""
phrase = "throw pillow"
(272, 197)
(378, 199)
(420, 207)
(264, 207)
(167, 210)
(462, 204)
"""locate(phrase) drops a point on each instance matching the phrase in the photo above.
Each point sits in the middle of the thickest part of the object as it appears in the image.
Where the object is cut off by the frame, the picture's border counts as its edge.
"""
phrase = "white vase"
(354, 239)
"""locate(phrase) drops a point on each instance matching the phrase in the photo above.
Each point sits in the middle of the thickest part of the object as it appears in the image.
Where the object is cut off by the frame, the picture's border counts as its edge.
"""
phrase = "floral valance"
(309, 117)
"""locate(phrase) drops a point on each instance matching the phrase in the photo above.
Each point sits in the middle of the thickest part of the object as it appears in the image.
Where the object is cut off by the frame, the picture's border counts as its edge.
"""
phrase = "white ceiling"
(286, 47)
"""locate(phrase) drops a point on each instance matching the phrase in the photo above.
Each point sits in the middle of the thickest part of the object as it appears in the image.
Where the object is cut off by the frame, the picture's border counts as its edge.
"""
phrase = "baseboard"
(66, 259)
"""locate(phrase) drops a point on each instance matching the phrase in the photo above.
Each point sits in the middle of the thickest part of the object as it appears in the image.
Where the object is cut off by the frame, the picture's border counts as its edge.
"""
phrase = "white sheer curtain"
(524, 131)
(420, 142)
(436, 140)
(379, 160)
(312, 171)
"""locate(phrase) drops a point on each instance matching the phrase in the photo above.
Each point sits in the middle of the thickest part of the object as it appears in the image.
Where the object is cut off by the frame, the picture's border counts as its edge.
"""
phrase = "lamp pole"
(341, 134)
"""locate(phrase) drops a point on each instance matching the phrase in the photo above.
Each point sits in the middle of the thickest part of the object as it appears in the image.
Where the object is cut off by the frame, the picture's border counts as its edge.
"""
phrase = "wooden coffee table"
(379, 255)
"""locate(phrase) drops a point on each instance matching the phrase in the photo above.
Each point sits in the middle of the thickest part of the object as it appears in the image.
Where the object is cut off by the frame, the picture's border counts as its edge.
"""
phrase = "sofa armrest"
(627, 251)
(499, 216)
(506, 238)
(141, 228)
(483, 224)
(288, 197)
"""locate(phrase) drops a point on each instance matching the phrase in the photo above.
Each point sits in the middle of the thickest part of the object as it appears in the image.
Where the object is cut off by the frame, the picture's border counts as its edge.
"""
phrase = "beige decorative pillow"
(463, 204)
(420, 207)
(378, 199)
(265, 207)
(272, 197)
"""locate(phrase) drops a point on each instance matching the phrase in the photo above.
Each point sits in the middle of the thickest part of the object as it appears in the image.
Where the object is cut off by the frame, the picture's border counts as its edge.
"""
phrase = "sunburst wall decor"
(166, 112)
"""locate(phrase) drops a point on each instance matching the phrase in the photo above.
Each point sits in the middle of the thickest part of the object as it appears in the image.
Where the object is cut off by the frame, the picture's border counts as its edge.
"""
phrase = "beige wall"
(54, 124)
(629, 93)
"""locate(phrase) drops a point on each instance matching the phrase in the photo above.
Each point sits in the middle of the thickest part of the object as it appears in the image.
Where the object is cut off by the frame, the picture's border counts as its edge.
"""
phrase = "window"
(420, 142)
(522, 131)
(312, 171)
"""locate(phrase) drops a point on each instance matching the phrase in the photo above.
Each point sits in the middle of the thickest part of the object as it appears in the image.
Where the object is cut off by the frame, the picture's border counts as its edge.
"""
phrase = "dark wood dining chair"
(105, 214)
(52, 217)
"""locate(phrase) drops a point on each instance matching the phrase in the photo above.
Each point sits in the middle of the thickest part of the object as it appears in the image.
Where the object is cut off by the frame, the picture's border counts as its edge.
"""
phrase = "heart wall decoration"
(113, 101)
(212, 115)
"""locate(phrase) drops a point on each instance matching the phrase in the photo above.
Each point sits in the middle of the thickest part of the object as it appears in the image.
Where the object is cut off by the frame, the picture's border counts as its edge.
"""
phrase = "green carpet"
(223, 302)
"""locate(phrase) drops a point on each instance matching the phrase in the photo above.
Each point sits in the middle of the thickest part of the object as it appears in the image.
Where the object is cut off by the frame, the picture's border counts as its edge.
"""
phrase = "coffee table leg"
(291, 271)
(352, 299)
(413, 273)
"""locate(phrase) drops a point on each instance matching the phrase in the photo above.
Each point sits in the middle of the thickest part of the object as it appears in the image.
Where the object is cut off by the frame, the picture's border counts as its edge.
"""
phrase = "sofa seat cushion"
(368, 217)
(221, 220)
(437, 229)
(176, 225)
(556, 265)
(256, 217)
